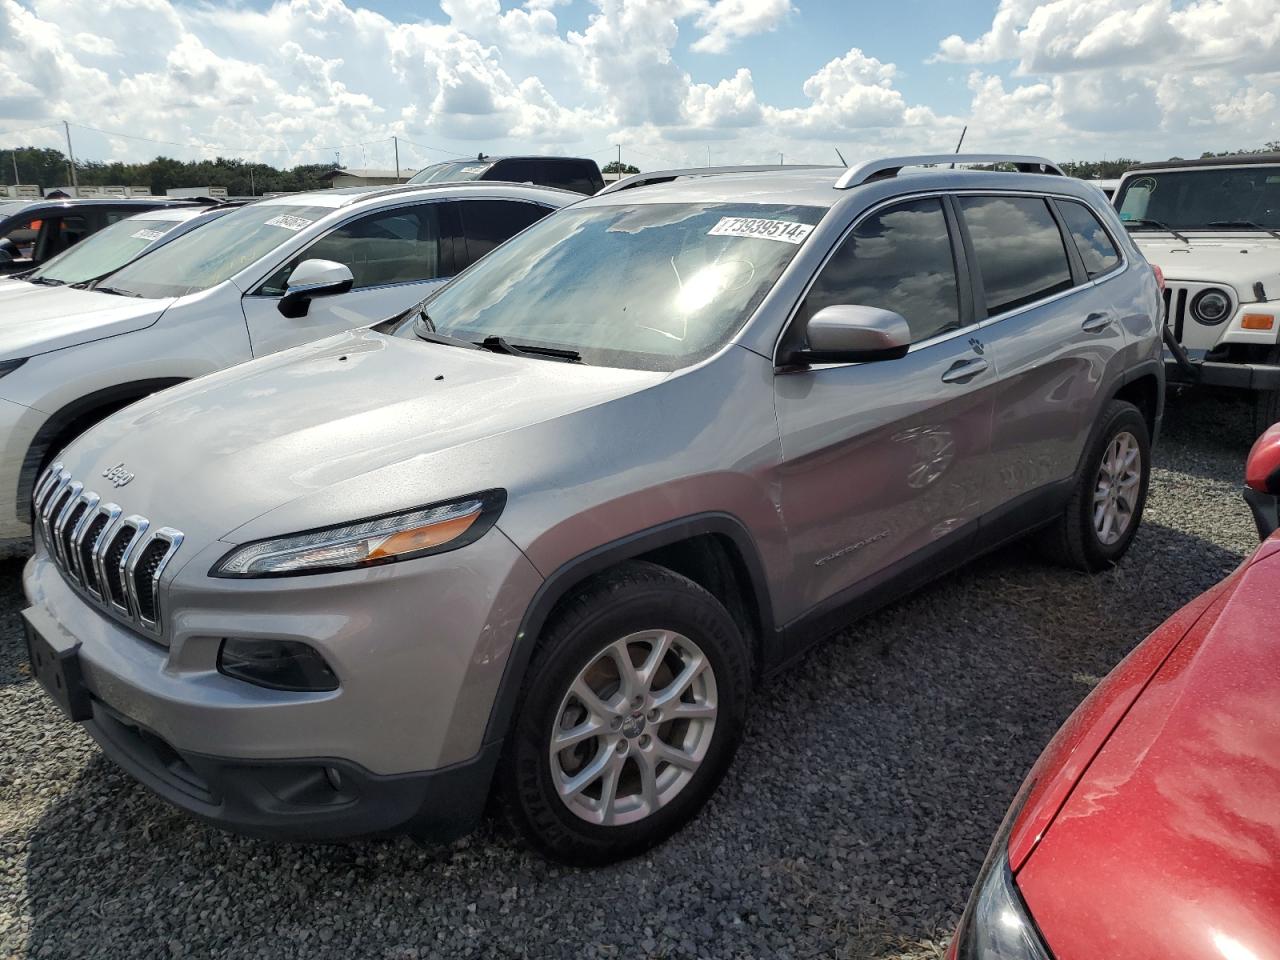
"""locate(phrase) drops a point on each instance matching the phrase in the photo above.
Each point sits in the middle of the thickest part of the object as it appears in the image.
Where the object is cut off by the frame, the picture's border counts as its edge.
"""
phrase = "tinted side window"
(580, 176)
(487, 223)
(394, 246)
(1092, 240)
(901, 260)
(514, 171)
(1020, 251)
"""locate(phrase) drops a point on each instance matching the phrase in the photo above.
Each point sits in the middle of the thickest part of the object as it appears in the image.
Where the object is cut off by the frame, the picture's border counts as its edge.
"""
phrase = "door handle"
(962, 371)
(1096, 323)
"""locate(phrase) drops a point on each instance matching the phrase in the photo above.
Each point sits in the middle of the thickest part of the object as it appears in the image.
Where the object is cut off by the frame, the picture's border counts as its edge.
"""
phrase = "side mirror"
(1262, 481)
(845, 333)
(311, 279)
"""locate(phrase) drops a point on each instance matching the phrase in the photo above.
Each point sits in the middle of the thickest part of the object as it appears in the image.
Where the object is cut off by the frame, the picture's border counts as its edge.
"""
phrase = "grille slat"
(117, 561)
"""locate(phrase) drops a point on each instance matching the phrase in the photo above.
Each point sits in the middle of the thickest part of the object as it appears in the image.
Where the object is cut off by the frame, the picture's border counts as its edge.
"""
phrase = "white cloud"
(727, 20)
(1200, 72)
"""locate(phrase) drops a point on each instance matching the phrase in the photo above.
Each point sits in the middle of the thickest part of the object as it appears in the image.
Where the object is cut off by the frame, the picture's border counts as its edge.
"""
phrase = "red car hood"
(1169, 844)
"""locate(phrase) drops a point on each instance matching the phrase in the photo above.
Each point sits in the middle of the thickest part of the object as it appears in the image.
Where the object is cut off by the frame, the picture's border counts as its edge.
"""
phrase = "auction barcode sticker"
(147, 235)
(289, 223)
(785, 230)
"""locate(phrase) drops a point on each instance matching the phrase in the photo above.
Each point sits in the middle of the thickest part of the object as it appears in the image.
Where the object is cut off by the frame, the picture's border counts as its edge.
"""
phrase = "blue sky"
(672, 80)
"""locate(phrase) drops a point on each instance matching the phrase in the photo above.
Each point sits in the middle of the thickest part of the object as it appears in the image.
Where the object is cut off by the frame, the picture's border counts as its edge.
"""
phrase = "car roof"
(827, 186)
(1235, 160)
(176, 214)
(346, 196)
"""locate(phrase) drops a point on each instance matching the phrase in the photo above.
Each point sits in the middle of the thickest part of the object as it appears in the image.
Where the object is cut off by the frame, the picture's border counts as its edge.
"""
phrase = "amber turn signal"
(1257, 321)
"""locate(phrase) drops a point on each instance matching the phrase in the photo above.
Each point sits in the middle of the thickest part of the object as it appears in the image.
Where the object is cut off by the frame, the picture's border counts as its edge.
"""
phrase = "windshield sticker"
(785, 230)
(469, 170)
(148, 235)
(289, 223)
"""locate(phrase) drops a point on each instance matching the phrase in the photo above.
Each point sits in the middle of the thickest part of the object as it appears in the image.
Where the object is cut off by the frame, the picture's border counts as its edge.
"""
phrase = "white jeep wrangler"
(1213, 228)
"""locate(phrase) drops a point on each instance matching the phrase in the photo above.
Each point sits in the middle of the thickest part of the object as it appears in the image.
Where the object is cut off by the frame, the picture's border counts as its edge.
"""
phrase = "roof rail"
(666, 176)
(888, 167)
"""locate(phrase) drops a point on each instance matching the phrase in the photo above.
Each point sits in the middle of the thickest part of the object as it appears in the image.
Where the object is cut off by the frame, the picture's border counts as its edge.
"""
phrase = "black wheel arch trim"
(59, 421)
(556, 586)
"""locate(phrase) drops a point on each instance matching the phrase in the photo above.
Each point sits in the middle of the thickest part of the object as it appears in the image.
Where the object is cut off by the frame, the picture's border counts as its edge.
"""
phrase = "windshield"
(452, 172)
(206, 257)
(654, 286)
(108, 249)
(1227, 198)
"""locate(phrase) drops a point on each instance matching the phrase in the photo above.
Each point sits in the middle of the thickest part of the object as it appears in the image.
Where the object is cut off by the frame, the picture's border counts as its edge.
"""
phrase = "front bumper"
(419, 649)
(1213, 373)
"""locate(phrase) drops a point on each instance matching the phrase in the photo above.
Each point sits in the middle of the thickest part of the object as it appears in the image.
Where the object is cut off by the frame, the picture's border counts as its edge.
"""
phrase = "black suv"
(568, 173)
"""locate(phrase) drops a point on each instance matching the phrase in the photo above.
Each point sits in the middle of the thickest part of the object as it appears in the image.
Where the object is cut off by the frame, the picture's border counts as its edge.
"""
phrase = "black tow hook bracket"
(1185, 363)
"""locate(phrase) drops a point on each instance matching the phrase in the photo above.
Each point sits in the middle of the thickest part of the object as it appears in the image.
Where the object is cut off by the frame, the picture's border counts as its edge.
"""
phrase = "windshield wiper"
(1227, 224)
(45, 281)
(424, 328)
(117, 292)
(502, 345)
(1159, 225)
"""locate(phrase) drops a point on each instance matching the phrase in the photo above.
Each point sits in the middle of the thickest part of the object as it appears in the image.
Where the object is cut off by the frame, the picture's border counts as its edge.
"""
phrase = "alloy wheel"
(1115, 492)
(633, 728)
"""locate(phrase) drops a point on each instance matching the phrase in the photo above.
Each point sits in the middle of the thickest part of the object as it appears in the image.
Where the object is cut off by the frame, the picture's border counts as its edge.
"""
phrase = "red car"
(1150, 826)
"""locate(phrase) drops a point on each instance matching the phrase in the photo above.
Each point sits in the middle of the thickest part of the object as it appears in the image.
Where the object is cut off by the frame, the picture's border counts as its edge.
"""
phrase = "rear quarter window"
(1020, 250)
(1095, 245)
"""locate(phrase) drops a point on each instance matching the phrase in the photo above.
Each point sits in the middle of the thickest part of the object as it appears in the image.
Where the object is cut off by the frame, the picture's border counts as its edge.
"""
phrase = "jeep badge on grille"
(118, 475)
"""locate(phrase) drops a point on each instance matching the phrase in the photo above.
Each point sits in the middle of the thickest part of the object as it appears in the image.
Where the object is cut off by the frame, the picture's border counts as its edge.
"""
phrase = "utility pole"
(781, 162)
(253, 190)
(619, 146)
(708, 154)
(75, 183)
(396, 141)
(16, 181)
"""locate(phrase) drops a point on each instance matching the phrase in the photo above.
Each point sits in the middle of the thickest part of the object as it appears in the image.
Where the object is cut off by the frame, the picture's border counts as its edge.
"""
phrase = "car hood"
(40, 319)
(1239, 262)
(349, 427)
(1169, 846)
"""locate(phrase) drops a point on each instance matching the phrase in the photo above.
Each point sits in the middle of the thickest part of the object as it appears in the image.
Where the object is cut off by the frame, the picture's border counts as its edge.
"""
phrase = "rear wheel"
(1105, 509)
(633, 709)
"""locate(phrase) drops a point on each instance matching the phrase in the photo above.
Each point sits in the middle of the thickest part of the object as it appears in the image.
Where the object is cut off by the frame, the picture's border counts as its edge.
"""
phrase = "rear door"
(887, 461)
(1053, 330)
(396, 257)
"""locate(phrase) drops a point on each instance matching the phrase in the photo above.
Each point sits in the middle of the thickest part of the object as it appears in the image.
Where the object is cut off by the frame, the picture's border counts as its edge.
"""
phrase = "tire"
(1077, 539)
(642, 604)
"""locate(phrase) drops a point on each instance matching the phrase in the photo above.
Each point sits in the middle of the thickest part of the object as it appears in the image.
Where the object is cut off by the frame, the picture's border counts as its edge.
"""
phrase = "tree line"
(48, 168)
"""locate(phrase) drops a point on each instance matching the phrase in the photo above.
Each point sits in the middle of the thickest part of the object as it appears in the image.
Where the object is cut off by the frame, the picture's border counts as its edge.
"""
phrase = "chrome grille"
(116, 560)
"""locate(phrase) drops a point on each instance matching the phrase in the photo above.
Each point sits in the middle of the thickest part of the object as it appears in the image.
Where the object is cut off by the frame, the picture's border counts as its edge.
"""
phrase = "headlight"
(400, 536)
(996, 924)
(1210, 306)
(8, 366)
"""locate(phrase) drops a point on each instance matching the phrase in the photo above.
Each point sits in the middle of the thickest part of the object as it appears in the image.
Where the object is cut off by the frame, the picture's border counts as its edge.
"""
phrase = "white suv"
(1213, 227)
(274, 274)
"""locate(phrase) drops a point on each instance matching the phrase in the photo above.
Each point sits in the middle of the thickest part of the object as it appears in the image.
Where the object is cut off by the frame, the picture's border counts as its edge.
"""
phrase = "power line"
(423, 146)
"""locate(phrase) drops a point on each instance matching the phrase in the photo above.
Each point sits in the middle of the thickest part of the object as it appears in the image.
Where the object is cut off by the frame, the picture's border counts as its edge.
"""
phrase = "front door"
(885, 461)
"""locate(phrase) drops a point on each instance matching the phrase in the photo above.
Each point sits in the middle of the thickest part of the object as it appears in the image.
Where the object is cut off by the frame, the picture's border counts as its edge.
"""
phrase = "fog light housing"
(276, 664)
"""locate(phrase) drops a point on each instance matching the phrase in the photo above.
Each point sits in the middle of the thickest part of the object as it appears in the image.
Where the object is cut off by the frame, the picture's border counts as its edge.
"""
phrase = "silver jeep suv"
(543, 534)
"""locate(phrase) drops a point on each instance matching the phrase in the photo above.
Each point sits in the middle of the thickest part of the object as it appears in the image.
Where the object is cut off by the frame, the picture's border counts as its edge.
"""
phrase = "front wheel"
(632, 712)
(1105, 509)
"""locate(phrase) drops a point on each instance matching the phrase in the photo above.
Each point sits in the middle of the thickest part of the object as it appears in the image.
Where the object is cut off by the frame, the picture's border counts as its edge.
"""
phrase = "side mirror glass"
(1262, 481)
(848, 333)
(311, 279)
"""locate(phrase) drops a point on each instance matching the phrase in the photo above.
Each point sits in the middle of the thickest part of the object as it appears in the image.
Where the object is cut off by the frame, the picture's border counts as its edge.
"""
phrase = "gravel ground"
(860, 807)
